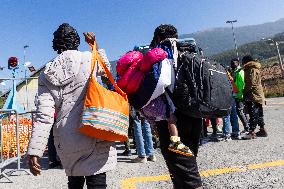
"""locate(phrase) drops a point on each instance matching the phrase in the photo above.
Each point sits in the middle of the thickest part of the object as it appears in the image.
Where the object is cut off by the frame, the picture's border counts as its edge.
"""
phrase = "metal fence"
(15, 131)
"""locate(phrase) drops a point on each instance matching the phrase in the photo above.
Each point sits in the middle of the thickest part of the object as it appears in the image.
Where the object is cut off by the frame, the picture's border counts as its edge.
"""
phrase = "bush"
(273, 87)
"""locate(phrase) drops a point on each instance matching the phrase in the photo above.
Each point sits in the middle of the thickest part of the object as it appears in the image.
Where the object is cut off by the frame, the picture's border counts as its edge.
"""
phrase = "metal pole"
(279, 57)
(236, 47)
(234, 36)
(18, 140)
(26, 81)
(2, 141)
(6, 78)
(27, 98)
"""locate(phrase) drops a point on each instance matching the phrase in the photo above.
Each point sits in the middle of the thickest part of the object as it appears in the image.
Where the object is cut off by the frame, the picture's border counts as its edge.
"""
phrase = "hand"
(90, 38)
(35, 167)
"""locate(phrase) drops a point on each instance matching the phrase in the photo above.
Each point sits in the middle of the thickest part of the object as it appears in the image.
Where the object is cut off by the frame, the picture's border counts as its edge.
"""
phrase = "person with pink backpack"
(183, 168)
(133, 68)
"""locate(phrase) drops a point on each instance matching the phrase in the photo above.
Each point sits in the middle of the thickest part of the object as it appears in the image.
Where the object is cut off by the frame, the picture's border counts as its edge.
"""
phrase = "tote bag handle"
(97, 58)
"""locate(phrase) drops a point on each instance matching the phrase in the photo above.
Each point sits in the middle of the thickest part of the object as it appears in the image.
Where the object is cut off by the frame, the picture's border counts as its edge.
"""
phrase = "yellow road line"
(130, 183)
(281, 103)
(267, 106)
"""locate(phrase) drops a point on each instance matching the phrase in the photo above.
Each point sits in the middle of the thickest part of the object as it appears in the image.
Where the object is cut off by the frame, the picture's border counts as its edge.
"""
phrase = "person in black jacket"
(183, 169)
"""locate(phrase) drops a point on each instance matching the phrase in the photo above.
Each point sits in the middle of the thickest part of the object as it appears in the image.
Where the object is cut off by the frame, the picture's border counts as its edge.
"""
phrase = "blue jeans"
(234, 120)
(143, 137)
(226, 125)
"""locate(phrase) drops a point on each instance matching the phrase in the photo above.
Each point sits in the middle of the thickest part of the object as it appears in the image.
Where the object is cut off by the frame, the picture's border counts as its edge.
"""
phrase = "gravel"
(212, 155)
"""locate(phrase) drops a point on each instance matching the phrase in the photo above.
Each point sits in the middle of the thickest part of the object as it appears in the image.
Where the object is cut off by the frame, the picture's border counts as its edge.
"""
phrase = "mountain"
(264, 51)
(217, 40)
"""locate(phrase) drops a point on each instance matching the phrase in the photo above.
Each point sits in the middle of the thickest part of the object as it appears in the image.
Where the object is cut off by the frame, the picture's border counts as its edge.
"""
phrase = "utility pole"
(26, 81)
(234, 37)
(276, 43)
(279, 57)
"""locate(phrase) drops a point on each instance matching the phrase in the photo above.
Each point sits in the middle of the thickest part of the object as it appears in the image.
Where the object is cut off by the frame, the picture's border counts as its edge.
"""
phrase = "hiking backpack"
(202, 87)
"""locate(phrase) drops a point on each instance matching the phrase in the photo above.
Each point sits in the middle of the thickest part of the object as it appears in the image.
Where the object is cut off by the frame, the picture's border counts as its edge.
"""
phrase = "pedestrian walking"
(227, 128)
(239, 80)
(62, 87)
(215, 126)
(235, 121)
(127, 145)
(183, 169)
(160, 107)
(143, 139)
(235, 134)
(254, 97)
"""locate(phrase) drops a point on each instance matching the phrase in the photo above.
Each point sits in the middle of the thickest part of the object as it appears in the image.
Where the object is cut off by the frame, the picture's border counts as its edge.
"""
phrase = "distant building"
(113, 68)
(26, 93)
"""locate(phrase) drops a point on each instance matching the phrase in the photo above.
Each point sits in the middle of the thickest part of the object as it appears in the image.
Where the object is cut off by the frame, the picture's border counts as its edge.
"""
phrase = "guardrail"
(11, 145)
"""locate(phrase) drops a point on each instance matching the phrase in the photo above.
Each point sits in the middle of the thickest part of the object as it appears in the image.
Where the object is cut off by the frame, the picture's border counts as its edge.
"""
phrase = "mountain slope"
(261, 50)
(217, 40)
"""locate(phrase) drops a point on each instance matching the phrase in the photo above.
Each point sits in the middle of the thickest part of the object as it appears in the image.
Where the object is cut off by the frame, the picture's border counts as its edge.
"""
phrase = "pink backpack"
(132, 67)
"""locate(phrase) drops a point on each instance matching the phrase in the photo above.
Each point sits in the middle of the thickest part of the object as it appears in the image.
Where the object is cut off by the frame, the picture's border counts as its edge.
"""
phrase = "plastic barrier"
(15, 131)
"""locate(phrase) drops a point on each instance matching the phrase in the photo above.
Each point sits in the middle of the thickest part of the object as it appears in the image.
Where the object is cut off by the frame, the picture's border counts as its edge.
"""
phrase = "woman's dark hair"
(65, 38)
(234, 60)
(234, 63)
(246, 59)
(163, 32)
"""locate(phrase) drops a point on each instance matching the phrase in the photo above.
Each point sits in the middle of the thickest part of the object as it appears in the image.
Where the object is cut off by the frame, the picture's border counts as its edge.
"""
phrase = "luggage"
(132, 67)
(153, 84)
(202, 87)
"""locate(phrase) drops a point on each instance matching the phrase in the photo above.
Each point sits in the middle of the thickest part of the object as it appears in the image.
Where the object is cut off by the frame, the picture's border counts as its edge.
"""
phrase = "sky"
(119, 24)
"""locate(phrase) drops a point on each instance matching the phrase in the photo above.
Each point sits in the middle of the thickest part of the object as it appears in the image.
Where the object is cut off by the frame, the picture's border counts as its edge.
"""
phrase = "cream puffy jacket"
(62, 88)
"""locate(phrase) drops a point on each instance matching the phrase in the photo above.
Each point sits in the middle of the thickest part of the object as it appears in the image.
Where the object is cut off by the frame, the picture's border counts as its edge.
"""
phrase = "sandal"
(179, 148)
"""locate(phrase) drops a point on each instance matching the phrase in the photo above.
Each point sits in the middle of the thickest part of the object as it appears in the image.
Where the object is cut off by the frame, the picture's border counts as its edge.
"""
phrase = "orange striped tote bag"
(105, 114)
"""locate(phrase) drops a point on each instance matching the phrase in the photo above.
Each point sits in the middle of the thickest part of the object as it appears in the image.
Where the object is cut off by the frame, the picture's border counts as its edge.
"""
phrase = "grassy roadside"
(273, 87)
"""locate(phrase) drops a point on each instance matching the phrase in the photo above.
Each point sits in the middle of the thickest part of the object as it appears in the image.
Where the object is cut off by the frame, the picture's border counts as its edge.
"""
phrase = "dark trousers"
(183, 170)
(52, 154)
(255, 111)
(130, 134)
(214, 125)
(127, 145)
(241, 113)
(93, 181)
(204, 132)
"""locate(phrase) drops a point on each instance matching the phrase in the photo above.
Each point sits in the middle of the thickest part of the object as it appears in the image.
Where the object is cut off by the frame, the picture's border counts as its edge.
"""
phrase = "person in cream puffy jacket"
(62, 88)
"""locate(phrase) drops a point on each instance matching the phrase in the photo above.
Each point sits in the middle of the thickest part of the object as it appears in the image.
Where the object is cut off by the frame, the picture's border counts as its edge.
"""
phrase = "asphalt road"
(257, 163)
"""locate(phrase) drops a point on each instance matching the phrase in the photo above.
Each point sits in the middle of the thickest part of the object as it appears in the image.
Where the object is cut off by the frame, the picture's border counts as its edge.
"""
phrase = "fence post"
(10, 160)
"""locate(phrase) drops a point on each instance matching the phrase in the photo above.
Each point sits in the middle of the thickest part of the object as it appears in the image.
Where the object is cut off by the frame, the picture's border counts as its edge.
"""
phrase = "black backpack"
(202, 87)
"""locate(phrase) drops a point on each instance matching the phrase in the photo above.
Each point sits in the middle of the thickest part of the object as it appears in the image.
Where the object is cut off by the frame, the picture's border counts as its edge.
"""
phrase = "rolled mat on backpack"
(132, 68)
(153, 85)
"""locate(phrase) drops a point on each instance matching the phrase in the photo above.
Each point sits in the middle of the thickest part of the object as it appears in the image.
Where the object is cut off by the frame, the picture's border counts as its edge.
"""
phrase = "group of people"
(248, 99)
(62, 87)
(247, 102)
